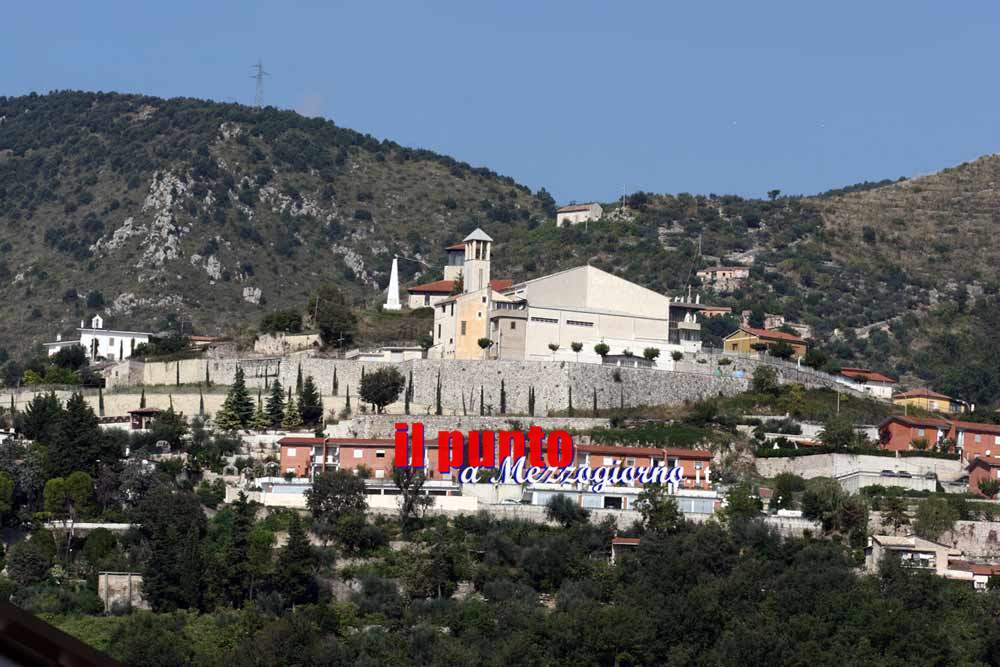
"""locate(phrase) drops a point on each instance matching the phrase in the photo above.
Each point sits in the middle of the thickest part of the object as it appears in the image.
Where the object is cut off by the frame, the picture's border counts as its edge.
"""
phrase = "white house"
(577, 213)
(101, 343)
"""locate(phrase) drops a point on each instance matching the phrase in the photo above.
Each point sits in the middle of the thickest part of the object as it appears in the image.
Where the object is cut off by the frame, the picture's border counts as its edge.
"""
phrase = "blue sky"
(583, 98)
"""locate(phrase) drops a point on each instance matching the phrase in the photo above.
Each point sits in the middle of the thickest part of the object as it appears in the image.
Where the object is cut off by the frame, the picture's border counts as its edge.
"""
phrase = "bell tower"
(476, 272)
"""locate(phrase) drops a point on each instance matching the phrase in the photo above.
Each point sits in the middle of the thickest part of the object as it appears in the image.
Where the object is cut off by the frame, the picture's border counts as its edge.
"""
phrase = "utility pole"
(258, 100)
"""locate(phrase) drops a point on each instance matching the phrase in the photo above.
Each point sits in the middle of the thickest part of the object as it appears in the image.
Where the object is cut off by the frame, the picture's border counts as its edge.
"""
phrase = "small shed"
(141, 418)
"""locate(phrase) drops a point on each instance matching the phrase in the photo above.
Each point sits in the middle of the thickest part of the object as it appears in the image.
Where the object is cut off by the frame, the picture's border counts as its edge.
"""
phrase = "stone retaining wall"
(383, 426)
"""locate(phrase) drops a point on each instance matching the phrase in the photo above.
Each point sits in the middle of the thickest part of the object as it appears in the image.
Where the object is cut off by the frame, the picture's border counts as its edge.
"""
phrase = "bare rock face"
(162, 240)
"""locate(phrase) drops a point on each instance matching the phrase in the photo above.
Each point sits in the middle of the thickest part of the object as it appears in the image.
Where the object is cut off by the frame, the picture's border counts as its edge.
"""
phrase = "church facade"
(542, 318)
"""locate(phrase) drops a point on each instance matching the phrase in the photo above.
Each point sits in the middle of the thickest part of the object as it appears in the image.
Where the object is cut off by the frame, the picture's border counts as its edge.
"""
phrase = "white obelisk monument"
(392, 294)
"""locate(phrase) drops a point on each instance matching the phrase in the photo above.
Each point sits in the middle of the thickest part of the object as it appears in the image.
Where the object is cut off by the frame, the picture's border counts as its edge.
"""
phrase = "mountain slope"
(214, 212)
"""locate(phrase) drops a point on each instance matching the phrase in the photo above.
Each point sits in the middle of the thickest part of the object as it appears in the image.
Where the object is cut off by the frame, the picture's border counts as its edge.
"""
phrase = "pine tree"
(260, 421)
(293, 419)
(298, 381)
(336, 385)
(294, 578)
(595, 401)
(276, 405)
(240, 402)
(142, 398)
(482, 401)
(570, 411)
(100, 402)
(310, 403)
(226, 419)
(437, 396)
(503, 397)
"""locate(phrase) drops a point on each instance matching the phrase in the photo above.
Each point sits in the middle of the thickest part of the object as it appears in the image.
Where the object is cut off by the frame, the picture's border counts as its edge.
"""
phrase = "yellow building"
(931, 401)
(747, 339)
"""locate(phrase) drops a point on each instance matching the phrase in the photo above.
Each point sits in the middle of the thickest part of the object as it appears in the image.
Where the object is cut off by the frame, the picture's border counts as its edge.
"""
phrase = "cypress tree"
(406, 401)
(201, 403)
(437, 396)
(570, 412)
(276, 404)
(298, 381)
(348, 399)
(142, 398)
(595, 401)
(503, 397)
(482, 406)
(464, 411)
(13, 408)
(208, 380)
(121, 349)
(170, 398)
(177, 373)
(621, 398)
(336, 385)
(531, 402)
(100, 402)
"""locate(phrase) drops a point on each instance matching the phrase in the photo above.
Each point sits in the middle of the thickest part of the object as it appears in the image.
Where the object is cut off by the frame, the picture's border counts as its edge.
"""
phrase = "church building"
(582, 305)
(101, 343)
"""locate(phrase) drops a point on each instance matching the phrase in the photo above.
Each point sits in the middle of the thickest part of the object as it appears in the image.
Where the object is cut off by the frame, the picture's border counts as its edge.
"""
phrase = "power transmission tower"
(258, 100)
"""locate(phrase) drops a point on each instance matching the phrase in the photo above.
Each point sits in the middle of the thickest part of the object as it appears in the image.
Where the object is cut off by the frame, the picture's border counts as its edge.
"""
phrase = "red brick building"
(306, 457)
(983, 468)
(972, 439)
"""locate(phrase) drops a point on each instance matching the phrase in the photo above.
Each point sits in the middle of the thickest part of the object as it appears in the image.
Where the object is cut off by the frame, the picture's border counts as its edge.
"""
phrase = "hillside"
(157, 211)
(214, 213)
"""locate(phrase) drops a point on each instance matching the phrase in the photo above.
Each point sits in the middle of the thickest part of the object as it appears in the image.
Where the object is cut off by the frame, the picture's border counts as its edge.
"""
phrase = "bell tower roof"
(478, 235)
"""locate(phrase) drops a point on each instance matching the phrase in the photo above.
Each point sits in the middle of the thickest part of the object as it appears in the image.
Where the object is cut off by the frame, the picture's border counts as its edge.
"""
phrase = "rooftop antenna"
(258, 100)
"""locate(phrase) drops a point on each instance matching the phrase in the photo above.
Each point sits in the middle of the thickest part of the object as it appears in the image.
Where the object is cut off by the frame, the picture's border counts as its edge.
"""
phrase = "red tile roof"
(145, 411)
(446, 286)
(991, 461)
(909, 420)
(294, 440)
(922, 392)
(985, 569)
(770, 334)
(625, 541)
(866, 374)
(976, 426)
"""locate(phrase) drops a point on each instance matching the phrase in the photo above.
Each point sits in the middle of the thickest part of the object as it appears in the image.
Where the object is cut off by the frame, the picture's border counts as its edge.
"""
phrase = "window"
(979, 438)
(380, 453)
(479, 314)
(463, 328)
(629, 462)
(547, 320)
(513, 325)
(451, 311)
(290, 471)
(484, 299)
(379, 474)
(291, 451)
(427, 299)
(579, 323)
(920, 432)
(358, 454)
(439, 332)
(111, 341)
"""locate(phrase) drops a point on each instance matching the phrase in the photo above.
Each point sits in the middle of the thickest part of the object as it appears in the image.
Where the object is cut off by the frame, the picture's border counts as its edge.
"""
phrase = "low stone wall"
(834, 465)
(119, 590)
(383, 426)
